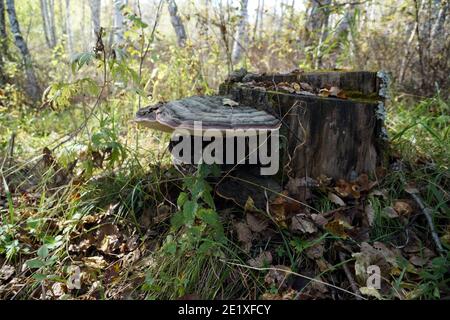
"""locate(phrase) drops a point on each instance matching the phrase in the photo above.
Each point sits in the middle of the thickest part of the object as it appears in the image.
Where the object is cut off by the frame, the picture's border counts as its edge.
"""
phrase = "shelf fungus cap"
(216, 113)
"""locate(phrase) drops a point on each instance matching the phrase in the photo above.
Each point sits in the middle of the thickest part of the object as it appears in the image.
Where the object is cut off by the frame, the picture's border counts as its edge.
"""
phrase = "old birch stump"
(332, 121)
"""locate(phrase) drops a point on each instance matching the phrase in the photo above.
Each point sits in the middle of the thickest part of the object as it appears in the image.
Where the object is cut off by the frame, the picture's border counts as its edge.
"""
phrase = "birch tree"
(177, 24)
(95, 18)
(437, 32)
(118, 21)
(3, 39)
(3, 35)
(241, 37)
(69, 29)
(32, 87)
(48, 21)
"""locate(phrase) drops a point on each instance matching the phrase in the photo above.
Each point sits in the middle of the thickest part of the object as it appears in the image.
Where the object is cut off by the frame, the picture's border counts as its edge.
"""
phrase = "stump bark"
(335, 137)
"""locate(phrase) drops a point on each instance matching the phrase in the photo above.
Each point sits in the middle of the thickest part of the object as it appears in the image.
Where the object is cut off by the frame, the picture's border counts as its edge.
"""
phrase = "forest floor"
(96, 218)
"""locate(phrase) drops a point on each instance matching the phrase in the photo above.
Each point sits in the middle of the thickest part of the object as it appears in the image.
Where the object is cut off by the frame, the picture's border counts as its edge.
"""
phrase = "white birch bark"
(241, 37)
(3, 36)
(69, 29)
(95, 18)
(118, 21)
(438, 27)
(177, 24)
(48, 21)
(32, 88)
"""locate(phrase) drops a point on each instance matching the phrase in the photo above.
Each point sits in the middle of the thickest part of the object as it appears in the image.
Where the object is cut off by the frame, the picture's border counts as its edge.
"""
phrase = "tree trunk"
(261, 20)
(437, 33)
(255, 27)
(241, 37)
(118, 21)
(95, 17)
(69, 29)
(323, 13)
(52, 28)
(3, 41)
(3, 35)
(32, 88)
(177, 24)
(339, 138)
(48, 21)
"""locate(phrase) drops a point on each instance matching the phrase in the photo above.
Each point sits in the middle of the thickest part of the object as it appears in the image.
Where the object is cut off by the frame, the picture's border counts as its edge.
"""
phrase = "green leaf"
(189, 211)
(177, 220)
(182, 198)
(209, 216)
(35, 263)
(42, 252)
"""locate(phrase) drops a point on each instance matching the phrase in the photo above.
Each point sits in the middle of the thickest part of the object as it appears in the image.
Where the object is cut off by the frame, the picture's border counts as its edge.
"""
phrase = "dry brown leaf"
(6, 272)
(324, 92)
(59, 289)
(244, 235)
(390, 212)
(306, 86)
(319, 219)
(315, 251)
(418, 261)
(278, 277)
(95, 262)
(403, 208)
(255, 223)
(336, 200)
(263, 259)
(300, 223)
(296, 87)
(370, 214)
(338, 228)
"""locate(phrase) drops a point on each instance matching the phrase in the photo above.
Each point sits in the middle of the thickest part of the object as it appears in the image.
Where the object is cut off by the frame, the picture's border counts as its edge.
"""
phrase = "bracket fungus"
(216, 113)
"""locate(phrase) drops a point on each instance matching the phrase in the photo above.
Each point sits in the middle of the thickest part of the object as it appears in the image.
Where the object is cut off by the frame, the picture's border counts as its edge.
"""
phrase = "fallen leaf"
(263, 259)
(370, 292)
(338, 228)
(377, 255)
(299, 223)
(296, 87)
(380, 193)
(244, 235)
(315, 251)
(402, 208)
(306, 86)
(59, 289)
(390, 212)
(6, 272)
(255, 223)
(319, 219)
(250, 205)
(370, 214)
(95, 262)
(324, 92)
(337, 92)
(418, 261)
(278, 277)
(336, 200)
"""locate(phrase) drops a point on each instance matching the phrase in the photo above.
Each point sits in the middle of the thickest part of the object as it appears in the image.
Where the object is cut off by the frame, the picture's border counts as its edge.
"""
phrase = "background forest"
(86, 197)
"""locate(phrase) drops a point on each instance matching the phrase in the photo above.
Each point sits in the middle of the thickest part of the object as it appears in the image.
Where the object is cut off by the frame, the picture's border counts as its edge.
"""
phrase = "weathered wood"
(339, 138)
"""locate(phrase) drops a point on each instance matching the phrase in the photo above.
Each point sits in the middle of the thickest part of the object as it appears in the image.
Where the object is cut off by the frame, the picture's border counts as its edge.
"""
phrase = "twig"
(349, 276)
(11, 149)
(427, 213)
(295, 274)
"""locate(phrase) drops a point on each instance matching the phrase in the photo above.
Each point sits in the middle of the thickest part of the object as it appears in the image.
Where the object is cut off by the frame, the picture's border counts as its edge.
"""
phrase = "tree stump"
(333, 122)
